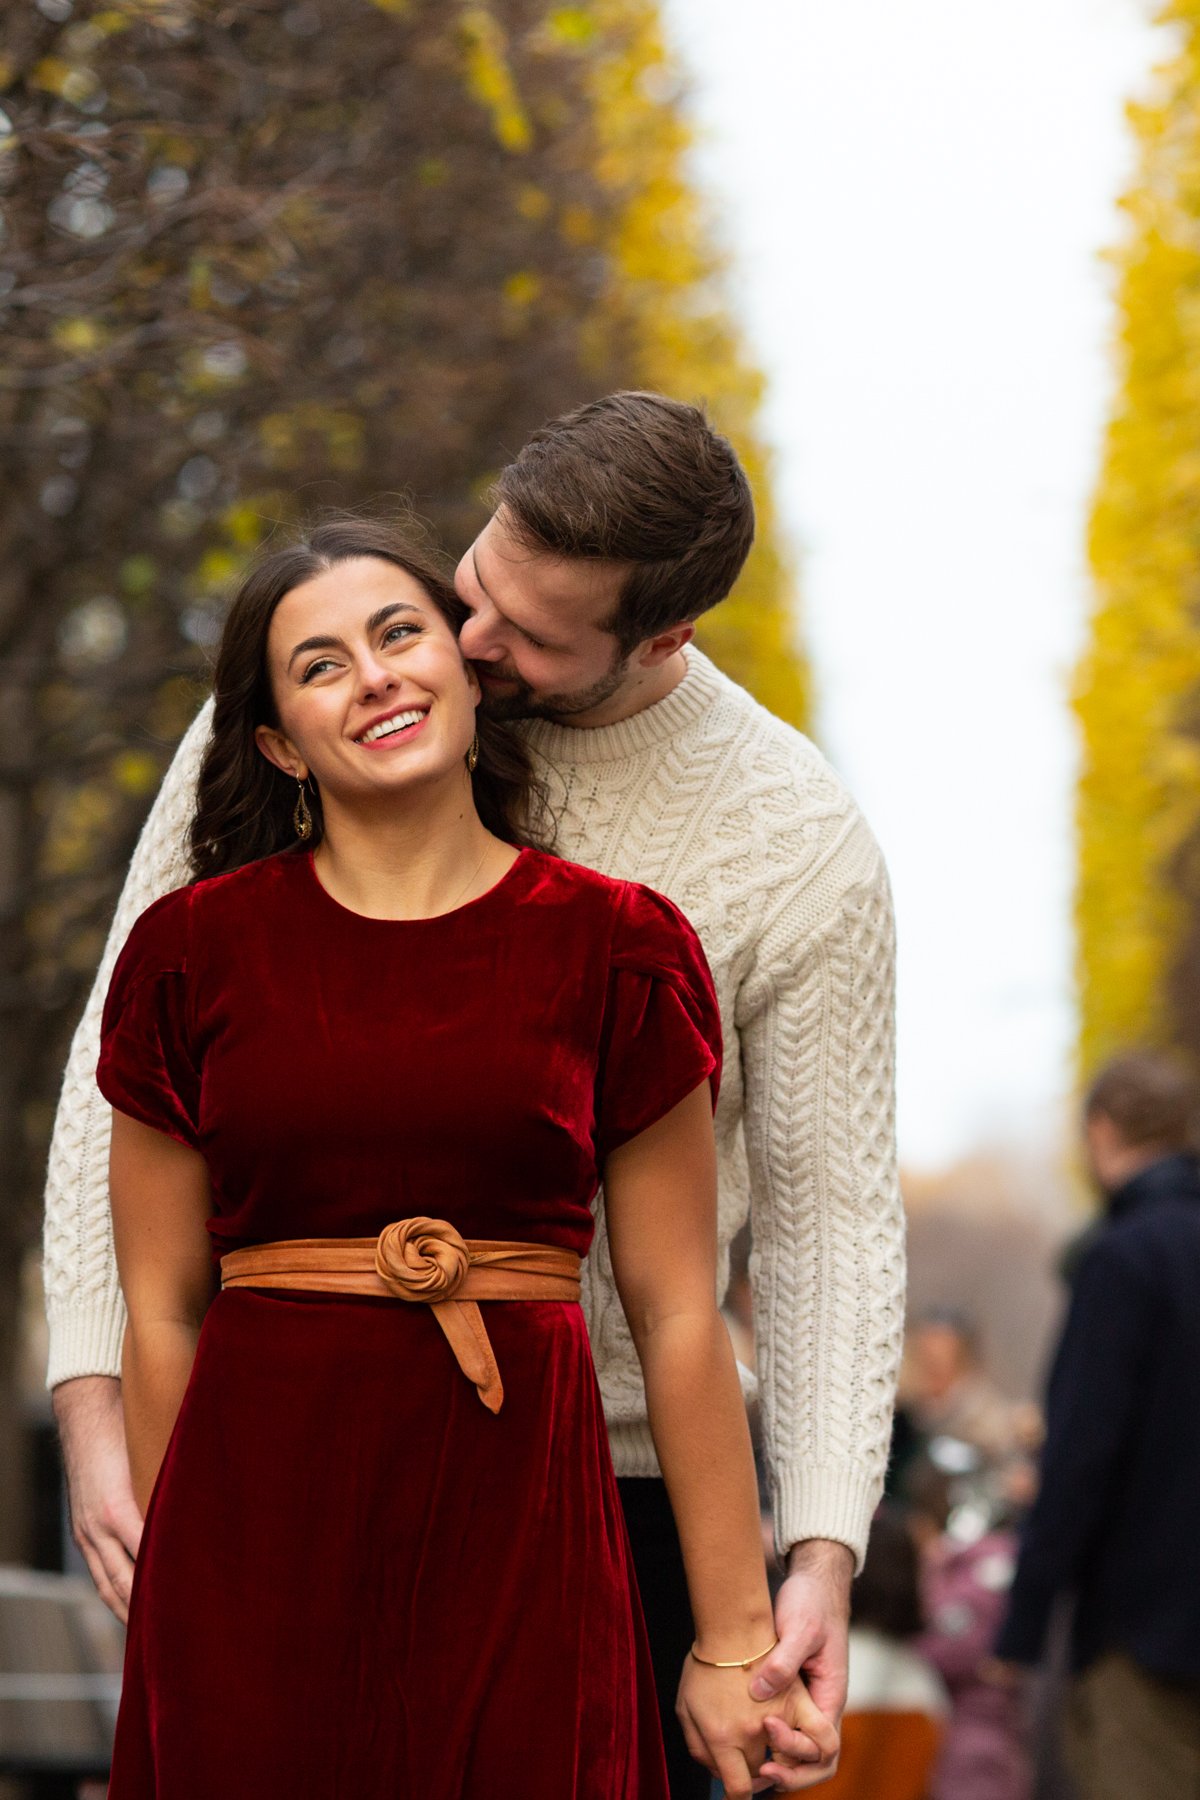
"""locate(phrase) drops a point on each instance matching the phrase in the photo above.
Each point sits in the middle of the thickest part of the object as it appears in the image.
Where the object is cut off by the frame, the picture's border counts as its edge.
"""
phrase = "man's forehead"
(511, 571)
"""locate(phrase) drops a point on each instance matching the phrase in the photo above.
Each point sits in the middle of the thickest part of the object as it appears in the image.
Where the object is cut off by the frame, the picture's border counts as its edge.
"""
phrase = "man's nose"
(477, 641)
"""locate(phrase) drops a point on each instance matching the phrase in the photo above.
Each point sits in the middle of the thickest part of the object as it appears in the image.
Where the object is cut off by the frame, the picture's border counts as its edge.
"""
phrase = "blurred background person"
(960, 1518)
(950, 1396)
(1115, 1520)
(896, 1706)
(949, 1393)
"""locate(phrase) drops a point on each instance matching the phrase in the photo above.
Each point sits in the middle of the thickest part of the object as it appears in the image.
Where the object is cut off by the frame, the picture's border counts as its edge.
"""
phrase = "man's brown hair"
(639, 479)
(1151, 1098)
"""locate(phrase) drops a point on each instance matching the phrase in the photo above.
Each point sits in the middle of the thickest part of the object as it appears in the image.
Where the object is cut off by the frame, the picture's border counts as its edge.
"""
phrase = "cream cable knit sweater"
(741, 822)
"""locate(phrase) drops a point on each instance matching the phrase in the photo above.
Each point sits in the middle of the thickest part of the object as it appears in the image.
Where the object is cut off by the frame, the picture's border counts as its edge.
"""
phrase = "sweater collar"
(699, 690)
(1171, 1178)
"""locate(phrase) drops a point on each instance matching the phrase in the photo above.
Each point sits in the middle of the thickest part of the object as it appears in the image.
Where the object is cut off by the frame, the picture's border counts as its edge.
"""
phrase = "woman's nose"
(375, 677)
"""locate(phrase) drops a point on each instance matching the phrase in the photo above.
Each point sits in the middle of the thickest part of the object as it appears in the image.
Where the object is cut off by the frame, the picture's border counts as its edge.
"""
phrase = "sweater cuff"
(836, 1501)
(85, 1338)
(633, 1448)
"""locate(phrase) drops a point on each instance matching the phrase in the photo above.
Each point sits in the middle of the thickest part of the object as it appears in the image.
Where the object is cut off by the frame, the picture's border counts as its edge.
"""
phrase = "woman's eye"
(317, 668)
(396, 631)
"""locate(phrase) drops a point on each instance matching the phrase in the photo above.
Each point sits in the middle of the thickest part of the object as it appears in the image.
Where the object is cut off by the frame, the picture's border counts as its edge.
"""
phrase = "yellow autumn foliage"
(1139, 792)
(490, 77)
(665, 288)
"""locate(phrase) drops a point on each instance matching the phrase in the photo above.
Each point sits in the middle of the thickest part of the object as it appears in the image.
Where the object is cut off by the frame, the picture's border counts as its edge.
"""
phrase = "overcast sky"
(916, 196)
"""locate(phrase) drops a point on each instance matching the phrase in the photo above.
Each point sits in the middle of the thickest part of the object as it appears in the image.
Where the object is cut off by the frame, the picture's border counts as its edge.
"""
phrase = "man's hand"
(812, 1615)
(105, 1521)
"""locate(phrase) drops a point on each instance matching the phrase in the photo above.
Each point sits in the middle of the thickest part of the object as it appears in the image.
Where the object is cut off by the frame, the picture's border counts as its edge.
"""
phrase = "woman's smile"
(402, 723)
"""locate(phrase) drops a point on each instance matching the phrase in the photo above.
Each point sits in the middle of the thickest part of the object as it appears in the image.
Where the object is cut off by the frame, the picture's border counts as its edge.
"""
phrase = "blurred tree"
(663, 285)
(1138, 689)
(260, 255)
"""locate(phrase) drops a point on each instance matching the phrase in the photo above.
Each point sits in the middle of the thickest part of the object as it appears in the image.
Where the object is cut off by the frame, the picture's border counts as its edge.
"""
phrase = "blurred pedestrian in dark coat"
(1117, 1519)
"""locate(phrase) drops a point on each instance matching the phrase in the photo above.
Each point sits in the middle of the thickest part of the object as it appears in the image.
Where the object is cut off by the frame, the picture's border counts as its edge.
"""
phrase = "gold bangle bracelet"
(740, 1663)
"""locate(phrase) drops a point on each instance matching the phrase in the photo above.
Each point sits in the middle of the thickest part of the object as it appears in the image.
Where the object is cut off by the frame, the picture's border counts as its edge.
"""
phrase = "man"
(614, 529)
(1115, 1522)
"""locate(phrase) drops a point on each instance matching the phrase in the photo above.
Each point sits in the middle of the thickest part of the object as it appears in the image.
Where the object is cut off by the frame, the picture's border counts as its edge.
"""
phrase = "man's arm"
(816, 1027)
(1091, 1403)
(84, 1309)
(83, 1297)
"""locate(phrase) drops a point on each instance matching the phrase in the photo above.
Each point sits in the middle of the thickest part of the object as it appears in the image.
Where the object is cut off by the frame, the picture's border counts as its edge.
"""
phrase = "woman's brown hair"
(244, 805)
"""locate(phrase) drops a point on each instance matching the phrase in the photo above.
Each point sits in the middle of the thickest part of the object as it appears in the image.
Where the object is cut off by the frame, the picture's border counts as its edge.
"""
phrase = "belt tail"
(466, 1333)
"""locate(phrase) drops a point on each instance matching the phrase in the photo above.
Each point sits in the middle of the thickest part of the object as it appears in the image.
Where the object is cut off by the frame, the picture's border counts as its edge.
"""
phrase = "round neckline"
(455, 912)
(692, 696)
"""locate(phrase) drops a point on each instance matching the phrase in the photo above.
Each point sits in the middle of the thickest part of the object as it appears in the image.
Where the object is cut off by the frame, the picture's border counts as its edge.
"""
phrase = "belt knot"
(422, 1259)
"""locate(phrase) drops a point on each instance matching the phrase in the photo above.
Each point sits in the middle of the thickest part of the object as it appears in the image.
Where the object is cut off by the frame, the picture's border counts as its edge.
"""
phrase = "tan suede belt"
(423, 1260)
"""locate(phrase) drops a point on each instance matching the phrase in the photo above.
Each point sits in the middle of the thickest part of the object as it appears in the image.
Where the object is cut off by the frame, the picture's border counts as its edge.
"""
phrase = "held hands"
(812, 1612)
(734, 1736)
(812, 1617)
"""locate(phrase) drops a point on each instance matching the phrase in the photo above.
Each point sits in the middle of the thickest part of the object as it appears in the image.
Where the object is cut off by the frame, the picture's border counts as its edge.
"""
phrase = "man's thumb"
(777, 1672)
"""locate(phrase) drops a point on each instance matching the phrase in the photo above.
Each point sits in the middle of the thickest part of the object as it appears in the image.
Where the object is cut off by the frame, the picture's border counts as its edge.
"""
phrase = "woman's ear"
(280, 750)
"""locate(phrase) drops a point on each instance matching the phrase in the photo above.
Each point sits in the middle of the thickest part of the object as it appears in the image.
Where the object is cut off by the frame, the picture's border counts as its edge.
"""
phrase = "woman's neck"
(395, 862)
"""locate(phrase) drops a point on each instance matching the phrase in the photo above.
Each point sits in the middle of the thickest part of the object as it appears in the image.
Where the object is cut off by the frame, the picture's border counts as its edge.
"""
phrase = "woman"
(384, 1054)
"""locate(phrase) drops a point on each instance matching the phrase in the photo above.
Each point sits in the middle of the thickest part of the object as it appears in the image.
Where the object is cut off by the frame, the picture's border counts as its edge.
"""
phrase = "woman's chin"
(394, 780)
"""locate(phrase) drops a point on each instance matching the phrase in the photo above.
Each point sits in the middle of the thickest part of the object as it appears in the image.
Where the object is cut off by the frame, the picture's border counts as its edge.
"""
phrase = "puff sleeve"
(662, 1028)
(146, 1066)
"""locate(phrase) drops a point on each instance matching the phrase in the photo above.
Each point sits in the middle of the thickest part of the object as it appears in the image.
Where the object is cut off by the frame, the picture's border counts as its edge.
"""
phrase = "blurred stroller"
(961, 1509)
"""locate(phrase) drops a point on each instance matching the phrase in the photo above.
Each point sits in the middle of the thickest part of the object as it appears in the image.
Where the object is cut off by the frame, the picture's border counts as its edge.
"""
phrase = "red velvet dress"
(355, 1581)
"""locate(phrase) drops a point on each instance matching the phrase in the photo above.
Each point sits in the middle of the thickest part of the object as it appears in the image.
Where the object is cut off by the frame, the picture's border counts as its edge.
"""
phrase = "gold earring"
(473, 753)
(301, 817)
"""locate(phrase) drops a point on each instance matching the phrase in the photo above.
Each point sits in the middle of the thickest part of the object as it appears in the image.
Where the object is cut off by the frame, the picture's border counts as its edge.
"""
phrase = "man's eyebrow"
(373, 623)
(478, 576)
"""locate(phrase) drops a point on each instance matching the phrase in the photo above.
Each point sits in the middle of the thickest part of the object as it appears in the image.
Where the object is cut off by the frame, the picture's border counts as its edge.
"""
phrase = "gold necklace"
(469, 883)
(462, 890)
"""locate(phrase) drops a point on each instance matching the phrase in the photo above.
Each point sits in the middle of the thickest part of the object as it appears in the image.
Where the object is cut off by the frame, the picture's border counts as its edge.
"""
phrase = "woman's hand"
(727, 1731)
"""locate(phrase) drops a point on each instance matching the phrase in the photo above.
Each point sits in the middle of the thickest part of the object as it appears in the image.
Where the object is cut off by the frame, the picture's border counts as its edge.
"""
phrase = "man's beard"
(522, 703)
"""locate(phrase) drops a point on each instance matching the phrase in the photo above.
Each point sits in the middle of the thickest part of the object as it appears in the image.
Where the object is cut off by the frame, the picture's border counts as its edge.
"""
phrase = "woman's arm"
(660, 1205)
(160, 1201)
